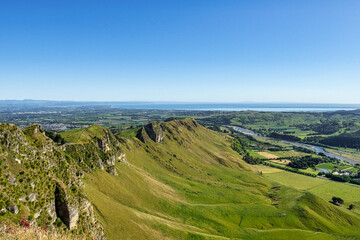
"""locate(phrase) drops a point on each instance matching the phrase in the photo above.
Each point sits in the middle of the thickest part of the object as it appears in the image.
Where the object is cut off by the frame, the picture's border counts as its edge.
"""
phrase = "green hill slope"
(92, 147)
(183, 181)
(171, 180)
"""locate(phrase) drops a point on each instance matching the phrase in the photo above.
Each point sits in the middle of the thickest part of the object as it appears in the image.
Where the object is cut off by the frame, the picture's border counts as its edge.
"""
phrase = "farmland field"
(295, 180)
(323, 188)
(281, 161)
(268, 155)
(331, 166)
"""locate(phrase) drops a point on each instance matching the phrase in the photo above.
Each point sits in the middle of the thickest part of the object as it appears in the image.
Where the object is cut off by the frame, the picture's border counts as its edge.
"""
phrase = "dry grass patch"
(268, 155)
(265, 169)
(282, 161)
(34, 233)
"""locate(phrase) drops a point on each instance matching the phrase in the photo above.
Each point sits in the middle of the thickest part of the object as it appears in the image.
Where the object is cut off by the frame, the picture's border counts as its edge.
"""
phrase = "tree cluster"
(285, 137)
(305, 162)
(326, 127)
(347, 140)
(252, 160)
(337, 201)
(55, 137)
(302, 149)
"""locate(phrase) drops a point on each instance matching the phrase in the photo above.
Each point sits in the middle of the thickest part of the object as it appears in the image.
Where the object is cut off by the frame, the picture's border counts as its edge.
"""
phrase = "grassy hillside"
(92, 147)
(323, 188)
(82, 135)
(192, 185)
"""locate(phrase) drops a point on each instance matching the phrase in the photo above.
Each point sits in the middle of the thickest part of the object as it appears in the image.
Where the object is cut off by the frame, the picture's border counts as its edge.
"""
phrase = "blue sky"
(180, 50)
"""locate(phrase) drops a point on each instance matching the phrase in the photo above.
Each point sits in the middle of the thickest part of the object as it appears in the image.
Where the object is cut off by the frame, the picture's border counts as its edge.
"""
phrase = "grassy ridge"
(194, 186)
(84, 134)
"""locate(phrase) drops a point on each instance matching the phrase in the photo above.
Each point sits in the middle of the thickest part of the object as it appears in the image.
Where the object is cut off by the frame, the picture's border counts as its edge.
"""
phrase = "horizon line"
(174, 102)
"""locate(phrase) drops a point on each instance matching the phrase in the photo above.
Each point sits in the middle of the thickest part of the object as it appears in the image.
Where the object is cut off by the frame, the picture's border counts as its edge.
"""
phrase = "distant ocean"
(267, 107)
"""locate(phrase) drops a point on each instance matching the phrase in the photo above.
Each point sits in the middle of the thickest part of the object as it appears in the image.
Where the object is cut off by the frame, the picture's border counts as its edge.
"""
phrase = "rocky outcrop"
(122, 157)
(32, 197)
(51, 210)
(110, 161)
(43, 182)
(14, 209)
(112, 170)
(152, 131)
(74, 217)
(100, 149)
(3, 211)
(88, 209)
(61, 206)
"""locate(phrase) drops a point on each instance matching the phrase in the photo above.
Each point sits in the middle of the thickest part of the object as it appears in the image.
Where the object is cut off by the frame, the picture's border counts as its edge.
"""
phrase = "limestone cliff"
(40, 184)
(152, 131)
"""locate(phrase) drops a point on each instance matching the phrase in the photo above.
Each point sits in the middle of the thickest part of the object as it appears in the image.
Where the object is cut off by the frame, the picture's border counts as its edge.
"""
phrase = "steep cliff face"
(39, 183)
(155, 131)
(152, 131)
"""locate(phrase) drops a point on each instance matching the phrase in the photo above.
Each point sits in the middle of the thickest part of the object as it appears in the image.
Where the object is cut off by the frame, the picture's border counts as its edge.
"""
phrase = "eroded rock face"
(14, 209)
(88, 208)
(32, 197)
(112, 170)
(31, 148)
(122, 157)
(52, 211)
(69, 215)
(12, 180)
(61, 207)
(100, 164)
(36, 215)
(110, 161)
(104, 144)
(22, 199)
(74, 217)
(63, 164)
(153, 130)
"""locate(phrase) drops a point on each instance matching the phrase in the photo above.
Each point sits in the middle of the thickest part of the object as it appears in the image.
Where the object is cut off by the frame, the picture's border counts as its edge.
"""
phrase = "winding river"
(316, 149)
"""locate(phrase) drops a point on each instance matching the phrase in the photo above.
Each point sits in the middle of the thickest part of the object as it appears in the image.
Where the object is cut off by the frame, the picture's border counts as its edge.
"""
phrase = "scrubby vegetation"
(55, 137)
(32, 170)
(27, 232)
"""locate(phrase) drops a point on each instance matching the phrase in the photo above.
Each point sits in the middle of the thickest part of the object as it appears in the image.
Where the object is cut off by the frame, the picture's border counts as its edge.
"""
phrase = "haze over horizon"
(181, 51)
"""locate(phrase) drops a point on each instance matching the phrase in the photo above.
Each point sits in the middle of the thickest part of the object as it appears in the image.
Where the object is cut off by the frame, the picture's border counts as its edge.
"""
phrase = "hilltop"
(164, 180)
